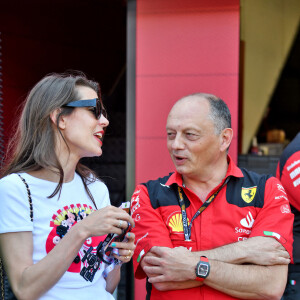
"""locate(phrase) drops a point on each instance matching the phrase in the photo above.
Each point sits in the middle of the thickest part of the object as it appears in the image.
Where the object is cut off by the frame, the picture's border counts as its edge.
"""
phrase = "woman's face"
(82, 131)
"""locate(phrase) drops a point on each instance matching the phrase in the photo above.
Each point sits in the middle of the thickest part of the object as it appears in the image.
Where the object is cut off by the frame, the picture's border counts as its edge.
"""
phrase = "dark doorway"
(284, 108)
(41, 37)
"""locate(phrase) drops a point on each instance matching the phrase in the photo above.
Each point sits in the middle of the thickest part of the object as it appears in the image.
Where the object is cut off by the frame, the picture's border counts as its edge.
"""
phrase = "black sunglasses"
(98, 110)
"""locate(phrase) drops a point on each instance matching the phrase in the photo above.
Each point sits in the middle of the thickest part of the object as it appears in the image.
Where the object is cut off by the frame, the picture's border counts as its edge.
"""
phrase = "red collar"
(232, 170)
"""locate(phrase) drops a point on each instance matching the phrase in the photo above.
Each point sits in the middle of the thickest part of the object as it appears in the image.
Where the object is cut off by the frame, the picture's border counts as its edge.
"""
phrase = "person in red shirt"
(288, 172)
(210, 230)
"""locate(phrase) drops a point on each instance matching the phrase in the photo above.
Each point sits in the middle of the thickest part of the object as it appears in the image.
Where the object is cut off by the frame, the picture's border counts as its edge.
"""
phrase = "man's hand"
(169, 264)
(144, 263)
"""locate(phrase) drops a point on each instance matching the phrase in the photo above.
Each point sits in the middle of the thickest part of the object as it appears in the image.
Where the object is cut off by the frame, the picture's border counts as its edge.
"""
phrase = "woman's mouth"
(99, 137)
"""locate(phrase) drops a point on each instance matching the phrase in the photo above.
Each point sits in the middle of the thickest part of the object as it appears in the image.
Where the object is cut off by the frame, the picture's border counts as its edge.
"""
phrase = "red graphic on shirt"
(62, 222)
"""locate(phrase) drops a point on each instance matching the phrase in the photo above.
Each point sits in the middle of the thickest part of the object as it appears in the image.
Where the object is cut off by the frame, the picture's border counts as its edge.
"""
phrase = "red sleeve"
(275, 218)
(290, 179)
(278, 171)
(149, 229)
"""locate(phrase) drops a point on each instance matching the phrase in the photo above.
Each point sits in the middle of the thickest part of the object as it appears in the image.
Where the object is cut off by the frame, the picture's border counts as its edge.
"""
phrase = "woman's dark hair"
(33, 145)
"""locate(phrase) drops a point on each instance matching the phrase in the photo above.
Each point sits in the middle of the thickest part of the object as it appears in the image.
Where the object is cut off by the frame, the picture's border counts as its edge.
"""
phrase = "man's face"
(192, 143)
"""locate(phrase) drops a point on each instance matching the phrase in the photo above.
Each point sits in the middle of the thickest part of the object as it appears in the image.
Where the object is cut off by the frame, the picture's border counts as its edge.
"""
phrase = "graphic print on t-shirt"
(62, 222)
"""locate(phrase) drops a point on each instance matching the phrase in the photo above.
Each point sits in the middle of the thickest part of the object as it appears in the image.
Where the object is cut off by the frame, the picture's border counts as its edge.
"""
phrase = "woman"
(62, 121)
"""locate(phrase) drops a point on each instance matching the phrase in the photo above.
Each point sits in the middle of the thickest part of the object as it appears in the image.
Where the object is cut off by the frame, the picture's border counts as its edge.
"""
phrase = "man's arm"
(248, 281)
(257, 250)
(175, 269)
(149, 230)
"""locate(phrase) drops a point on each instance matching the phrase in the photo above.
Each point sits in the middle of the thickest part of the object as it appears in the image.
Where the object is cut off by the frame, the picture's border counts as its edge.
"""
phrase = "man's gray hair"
(219, 111)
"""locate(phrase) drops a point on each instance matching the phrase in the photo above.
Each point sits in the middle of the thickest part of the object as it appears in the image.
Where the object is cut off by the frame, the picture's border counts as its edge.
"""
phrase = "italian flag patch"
(276, 235)
(140, 255)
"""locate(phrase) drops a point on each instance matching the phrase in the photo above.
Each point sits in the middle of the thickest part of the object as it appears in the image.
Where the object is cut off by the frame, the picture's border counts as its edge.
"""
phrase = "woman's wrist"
(81, 231)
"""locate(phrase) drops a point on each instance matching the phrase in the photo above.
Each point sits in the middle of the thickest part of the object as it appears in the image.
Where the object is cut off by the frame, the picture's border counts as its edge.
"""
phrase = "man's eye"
(191, 136)
(170, 135)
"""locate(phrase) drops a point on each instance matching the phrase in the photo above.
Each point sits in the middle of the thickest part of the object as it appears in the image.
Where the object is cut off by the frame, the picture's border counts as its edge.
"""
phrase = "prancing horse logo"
(248, 194)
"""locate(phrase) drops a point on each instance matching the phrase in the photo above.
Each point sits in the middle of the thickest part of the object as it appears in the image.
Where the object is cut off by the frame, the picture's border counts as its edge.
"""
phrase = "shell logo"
(176, 223)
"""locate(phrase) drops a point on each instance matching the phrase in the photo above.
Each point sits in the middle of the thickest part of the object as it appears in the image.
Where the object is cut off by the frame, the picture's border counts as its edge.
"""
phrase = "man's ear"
(226, 138)
(55, 115)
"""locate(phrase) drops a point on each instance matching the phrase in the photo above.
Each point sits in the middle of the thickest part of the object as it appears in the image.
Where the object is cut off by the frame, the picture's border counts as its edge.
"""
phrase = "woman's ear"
(55, 115)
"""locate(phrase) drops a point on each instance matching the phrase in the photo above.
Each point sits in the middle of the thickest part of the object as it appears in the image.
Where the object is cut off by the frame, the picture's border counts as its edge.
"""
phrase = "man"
(238, 244)
(288, 172)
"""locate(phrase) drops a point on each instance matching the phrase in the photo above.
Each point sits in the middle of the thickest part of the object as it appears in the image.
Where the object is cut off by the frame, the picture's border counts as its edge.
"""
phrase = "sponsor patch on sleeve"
(276, 235)
(140, 255)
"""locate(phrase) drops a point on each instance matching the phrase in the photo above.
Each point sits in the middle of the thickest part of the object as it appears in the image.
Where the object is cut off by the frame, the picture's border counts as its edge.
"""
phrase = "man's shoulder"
(254, 176)
(248, 190)
(161, 194)
(158, 181)
(251, 178)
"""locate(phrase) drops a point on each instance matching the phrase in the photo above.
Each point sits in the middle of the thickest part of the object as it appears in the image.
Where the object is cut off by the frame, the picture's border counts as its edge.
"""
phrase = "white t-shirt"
(52, 218)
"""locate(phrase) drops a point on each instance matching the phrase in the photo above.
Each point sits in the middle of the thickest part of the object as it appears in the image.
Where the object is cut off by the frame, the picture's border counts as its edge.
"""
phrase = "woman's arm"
(126, 249)
(30, 281)
(113, 279)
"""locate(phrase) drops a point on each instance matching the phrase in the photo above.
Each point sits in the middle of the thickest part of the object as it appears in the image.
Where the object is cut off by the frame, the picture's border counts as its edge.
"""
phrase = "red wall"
(182, 47)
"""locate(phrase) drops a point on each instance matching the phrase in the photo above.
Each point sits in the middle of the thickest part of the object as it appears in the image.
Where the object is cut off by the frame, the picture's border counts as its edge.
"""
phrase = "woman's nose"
(103, 121)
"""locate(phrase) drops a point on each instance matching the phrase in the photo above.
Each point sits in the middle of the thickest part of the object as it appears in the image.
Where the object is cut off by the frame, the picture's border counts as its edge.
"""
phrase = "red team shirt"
(289, 175)
(288, 172)
(226, 220)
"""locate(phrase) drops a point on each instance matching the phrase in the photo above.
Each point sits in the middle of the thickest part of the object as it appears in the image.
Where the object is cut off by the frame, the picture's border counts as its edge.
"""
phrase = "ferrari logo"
(248, 193)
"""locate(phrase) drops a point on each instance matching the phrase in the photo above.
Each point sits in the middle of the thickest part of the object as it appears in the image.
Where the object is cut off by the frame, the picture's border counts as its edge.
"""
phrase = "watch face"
(202, 270)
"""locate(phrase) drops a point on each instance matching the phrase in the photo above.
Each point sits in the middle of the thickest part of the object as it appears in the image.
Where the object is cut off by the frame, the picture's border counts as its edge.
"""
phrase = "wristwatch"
(202, 268)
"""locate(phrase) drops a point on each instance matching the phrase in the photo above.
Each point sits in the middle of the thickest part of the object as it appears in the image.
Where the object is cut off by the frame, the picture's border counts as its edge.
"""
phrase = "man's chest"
(219, 224)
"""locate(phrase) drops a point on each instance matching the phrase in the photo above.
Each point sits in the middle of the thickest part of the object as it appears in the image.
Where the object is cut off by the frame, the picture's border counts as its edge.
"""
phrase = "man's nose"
(178, 142)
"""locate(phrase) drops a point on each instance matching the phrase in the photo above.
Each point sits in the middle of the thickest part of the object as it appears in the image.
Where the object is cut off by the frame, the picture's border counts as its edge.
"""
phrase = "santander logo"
(248, 221)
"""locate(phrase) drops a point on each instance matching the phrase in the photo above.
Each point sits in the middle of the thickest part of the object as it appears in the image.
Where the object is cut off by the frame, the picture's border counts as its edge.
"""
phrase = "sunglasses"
(95, 104)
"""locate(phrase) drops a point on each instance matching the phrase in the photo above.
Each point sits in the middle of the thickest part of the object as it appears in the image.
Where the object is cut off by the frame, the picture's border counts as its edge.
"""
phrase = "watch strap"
(204, 258)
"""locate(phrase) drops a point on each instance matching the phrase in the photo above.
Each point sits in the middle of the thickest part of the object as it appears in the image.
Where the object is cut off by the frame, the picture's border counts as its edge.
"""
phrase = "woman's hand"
(126, 248)
(106, 220)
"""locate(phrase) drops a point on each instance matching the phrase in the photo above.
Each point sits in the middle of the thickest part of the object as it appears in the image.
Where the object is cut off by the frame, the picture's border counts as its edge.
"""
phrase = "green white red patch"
(276, 235)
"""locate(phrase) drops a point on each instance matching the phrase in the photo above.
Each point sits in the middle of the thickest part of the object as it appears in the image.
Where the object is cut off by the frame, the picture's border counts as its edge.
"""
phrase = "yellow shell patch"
(176, 223)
